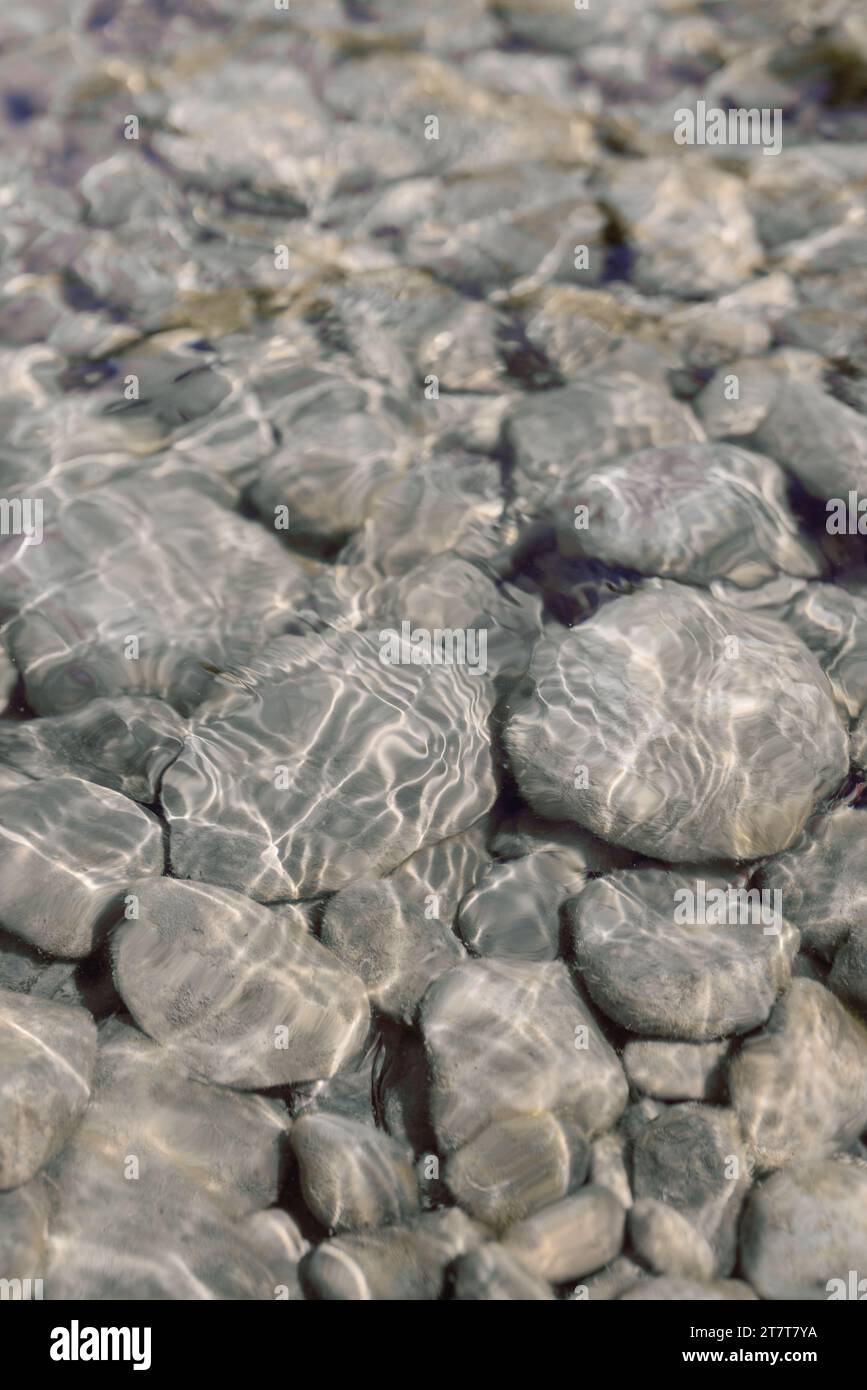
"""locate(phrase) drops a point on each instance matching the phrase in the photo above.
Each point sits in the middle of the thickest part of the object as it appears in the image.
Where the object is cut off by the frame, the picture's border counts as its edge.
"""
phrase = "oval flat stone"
(151, 1189)
(400, 1262)
(514, 910)
(709, 978)
(693, 512)
(391, 944)
(240, 995)
(570, 1238)
(678, 726)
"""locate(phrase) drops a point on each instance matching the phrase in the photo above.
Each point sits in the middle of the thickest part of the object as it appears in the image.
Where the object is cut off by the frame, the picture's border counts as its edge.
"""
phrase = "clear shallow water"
(389, 568)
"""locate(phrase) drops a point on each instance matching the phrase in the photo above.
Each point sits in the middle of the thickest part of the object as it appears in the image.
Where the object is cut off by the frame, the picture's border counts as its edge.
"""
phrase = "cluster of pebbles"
(328, 976)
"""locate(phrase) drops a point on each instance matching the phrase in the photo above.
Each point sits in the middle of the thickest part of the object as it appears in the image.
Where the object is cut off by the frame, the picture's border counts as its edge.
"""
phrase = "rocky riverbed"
(433, 586)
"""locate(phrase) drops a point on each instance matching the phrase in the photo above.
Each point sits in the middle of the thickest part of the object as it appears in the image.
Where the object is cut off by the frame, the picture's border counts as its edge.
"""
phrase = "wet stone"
(307, 803)
(800, 1087)
(395, 947)
(618, 713)
(48, 1051)
(514, 910)
(688, 224)
(560, 437)
(676, 1070)
(692, 513)
(805, 1228)
(125, 744)
(151, 1187)
(515, 1166)
(667, 1243)
(533, 1046)
(492, 1274)
(352, 1176)
(821, 879)
(710, 978)
(709, 1190)
(71, 848)
(242, 996)
(570, 1238)
(407, 1262)
(848, 977)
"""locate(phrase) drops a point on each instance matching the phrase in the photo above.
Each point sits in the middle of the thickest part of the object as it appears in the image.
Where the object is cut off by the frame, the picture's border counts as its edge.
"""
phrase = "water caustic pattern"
(433, 649)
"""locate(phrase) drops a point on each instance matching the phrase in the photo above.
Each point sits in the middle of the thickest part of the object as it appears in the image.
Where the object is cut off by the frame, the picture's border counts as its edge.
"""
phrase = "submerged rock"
(710, 978)
(150, 1188)
(242, 996)
(693, 513)
(307, 802)
(805, 1228)
(394, 947)
(709, 1190)
(800, 1087)
(400, 1262)
(71, 849)
(516, 1165)
(514, 1036)
(125, 744)
(47, 1056)
(352, 1176)
(621, 713)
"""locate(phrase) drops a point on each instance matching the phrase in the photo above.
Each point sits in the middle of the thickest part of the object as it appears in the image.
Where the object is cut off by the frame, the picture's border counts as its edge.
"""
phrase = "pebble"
(709, 979)
(620, 713)
(151, 1187)
(307, 802)
(242, 996)
(151, 593)
(281, 1246)
(652, 513)
(821, 879)
(667, 1242)
(800, 1087)
(390, 944)
(492, 1274)
(407, 1262)
(352, 1176)
(709, 1190)
(848, 977)
(505, 1036)
(806, 1226)
(70, 849)
(515, 1166)
(688, 224)
(562, 436)
(48, 1052)
(570, 1238)
(125, 744)
(514, 910)
(608, 1166)
(676, 1070)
